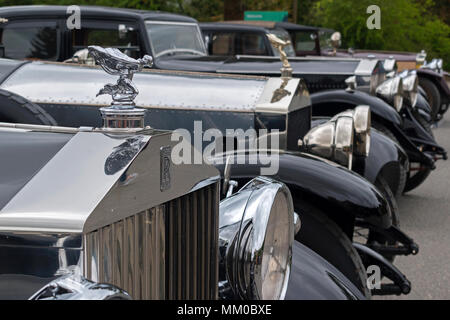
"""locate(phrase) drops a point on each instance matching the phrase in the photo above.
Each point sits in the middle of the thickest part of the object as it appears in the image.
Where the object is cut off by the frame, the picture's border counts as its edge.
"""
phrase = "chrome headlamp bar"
(256, 235)
(391, 91)
(410, 82)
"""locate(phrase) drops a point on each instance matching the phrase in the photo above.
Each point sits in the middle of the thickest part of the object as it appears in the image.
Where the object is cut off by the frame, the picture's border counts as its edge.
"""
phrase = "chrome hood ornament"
(286, 69)
(122, 114)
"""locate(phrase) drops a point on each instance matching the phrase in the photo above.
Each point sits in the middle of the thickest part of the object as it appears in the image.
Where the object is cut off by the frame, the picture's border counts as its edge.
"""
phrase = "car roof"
(43, 11)
(262, 24)
(232, 26)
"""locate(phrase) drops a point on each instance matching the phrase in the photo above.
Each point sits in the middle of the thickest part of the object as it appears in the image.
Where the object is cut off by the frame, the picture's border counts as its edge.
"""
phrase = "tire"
(365, 236)
(412, 180)
(434, 96)
(16, 109)
(324, 236)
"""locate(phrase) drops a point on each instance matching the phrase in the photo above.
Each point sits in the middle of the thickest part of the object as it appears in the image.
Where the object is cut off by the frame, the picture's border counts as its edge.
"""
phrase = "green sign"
(266, 15)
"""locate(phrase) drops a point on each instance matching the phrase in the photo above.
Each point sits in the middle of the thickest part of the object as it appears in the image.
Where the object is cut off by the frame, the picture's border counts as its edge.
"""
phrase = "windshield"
(305, 41)
(283, 35)
(325, 39)
(175, 38)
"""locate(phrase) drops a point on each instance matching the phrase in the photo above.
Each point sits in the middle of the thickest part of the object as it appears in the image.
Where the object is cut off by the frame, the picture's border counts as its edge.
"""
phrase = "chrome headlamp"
(347, 133)
(256, 236)
(410, 86)
(332, 140)
(435, 64)
(391, 91)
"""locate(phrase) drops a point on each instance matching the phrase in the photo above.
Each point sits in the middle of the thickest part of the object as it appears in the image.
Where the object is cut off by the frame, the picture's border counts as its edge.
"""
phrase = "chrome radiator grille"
(166, 252)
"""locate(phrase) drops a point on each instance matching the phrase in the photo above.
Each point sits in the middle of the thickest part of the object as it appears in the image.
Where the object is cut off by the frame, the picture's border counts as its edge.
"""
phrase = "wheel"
(416, 174)
(324, 236)
(434, 97)
(16, 109)
(368, 237)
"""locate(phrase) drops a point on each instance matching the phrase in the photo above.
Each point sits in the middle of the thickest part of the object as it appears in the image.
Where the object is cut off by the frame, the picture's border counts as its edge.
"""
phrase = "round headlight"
(362, 123)
(391, 91)
(333, 139)
(411, 87)
(256, 234)
(344, 141)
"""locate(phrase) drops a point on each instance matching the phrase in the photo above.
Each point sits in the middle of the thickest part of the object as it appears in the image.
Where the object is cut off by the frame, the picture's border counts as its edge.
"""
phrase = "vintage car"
(175, 43)
(320, 188)
(433, 79)
(105, 213)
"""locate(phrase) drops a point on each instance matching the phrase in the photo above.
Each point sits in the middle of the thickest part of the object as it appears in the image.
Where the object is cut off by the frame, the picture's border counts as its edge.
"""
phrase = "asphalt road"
(425, 216)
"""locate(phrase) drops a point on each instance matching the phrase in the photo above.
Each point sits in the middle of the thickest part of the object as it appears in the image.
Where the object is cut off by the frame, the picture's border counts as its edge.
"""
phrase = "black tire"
(433, 94)
(369, 237)
(16, 109)
(324, 236)
(413, 180)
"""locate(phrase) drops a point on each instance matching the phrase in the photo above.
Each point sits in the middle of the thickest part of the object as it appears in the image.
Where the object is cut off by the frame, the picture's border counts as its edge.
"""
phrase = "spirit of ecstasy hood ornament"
(122, 114)
(286, 70)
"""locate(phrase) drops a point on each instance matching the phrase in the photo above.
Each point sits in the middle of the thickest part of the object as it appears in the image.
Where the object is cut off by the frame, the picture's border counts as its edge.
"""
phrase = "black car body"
(108, 213)
(222, 102)
(100, 25)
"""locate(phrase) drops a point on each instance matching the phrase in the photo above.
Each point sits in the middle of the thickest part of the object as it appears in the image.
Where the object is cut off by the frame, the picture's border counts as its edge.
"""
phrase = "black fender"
(419, 136)
(313, 278)
(423, 108)
(386, 158)
(341, 194)
(330, 102)
(438, 80)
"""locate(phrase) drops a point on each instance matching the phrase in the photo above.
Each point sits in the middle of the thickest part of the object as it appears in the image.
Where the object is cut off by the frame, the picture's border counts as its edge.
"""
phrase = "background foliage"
(406, 25)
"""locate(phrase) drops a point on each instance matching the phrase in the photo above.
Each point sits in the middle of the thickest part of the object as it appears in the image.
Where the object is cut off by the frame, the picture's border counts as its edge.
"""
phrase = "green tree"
(405, 25)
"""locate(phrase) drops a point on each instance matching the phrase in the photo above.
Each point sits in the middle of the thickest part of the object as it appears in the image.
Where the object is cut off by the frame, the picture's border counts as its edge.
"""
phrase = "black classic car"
(40, 92)
(175, 43)
(105, 213)
(401, 90)
(314, 41)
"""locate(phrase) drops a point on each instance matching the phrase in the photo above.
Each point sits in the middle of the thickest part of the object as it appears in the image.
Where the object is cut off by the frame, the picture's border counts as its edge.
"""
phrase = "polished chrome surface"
(279, 44)
(391, 90)
(344, 141)
(351, 84)
(114, 62)
(130, 254)
(335, 139)
(48, 83)
(246, 227)
(166, 252)
(362, 122)
(76, 287)
(410, 82)
(122, 114)
(62, 195)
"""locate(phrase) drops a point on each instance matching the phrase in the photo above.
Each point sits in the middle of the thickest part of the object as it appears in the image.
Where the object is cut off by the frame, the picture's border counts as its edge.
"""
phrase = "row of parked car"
(92, 198)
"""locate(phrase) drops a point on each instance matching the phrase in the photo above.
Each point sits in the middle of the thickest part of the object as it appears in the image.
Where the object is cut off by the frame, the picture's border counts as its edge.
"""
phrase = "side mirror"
(228, 184)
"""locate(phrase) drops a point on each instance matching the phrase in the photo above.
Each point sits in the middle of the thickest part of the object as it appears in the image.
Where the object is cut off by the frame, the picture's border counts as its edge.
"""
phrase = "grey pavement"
(425, 216)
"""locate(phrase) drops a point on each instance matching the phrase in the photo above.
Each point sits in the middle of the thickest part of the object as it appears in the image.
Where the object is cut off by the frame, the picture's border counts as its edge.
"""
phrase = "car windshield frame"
(201, 52)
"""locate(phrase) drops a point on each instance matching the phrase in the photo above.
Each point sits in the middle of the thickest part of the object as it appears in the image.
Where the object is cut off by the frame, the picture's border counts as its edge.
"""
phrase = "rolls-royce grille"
(166, 252)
